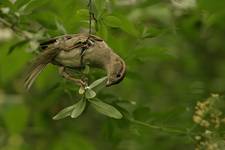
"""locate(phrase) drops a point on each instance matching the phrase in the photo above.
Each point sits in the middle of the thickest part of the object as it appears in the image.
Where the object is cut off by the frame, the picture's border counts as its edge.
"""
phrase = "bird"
(75, 51)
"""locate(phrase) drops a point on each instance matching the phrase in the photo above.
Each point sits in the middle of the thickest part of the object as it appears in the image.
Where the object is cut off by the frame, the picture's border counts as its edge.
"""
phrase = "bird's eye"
(118, 75)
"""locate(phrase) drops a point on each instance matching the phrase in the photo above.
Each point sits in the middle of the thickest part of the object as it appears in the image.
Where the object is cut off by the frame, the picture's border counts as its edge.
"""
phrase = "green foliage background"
(174, 56)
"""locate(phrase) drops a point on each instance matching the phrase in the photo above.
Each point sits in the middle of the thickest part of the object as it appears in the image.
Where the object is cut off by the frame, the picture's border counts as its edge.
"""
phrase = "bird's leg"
(62, 72)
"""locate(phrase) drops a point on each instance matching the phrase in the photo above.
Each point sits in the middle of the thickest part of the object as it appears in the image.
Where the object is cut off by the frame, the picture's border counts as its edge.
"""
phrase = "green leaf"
(60, 27)
(112, 21)
(151, 32)
(89, 93)
(86, 69)
(24, 7)
(81, 90)
(100, 6)
(97, 82)
(129, 27)
(102, 30)
(64, 113)
(18, 44)
(122, 23)
(83, 13)
(105, 109)
(78, 108)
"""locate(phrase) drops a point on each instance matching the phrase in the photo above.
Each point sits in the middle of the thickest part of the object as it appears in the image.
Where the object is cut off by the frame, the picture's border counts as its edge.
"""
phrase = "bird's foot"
(83, 83)
(79, 82)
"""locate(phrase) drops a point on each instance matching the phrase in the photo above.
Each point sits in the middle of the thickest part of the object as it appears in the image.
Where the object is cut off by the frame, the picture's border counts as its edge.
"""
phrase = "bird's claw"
(83, 83)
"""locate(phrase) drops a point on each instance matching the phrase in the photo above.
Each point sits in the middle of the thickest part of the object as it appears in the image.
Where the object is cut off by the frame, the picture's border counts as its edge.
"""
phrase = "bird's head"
(116, 70)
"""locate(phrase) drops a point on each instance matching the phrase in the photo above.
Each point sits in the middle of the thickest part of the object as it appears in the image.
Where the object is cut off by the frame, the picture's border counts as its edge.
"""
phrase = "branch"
(91, 16)
(15, 29)
(165, 129)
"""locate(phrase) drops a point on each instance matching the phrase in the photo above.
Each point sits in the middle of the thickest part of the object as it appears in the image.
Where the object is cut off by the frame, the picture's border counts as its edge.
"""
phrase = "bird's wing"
(45, 44)
(69, 41)
(96, 38)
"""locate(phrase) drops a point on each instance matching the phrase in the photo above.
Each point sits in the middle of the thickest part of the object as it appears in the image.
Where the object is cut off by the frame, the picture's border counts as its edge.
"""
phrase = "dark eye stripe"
(68, 37)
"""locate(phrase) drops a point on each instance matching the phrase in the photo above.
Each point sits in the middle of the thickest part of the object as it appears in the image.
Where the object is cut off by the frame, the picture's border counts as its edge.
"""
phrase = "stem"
(15, 29)
(169, 130)
(90, 15)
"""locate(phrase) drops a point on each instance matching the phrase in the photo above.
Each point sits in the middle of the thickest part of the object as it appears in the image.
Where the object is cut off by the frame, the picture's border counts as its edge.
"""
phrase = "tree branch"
(165, 129)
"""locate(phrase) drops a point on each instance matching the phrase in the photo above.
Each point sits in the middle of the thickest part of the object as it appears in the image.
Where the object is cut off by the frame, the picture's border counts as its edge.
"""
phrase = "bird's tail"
(33, 74)
(39, 64)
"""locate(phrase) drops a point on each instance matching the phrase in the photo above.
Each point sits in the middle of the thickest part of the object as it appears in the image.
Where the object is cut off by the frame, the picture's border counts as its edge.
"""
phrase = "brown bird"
(74, 51)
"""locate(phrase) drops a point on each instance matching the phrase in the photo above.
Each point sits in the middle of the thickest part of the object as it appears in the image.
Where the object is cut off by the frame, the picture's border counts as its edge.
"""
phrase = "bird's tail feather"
(33, 74)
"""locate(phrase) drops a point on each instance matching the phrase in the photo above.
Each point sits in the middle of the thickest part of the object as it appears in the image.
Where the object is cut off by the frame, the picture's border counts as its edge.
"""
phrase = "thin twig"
(90, 15)
(165, 129)
(15, 29)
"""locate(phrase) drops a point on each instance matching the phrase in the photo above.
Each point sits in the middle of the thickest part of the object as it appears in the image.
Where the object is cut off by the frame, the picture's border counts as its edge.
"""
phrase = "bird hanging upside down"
(75, 51)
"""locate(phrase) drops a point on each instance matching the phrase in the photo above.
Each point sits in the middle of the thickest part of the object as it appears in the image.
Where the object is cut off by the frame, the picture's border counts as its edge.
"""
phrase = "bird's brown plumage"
(74, 51)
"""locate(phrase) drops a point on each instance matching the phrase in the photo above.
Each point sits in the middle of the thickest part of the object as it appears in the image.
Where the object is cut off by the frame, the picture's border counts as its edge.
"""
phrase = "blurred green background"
(175, 56)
